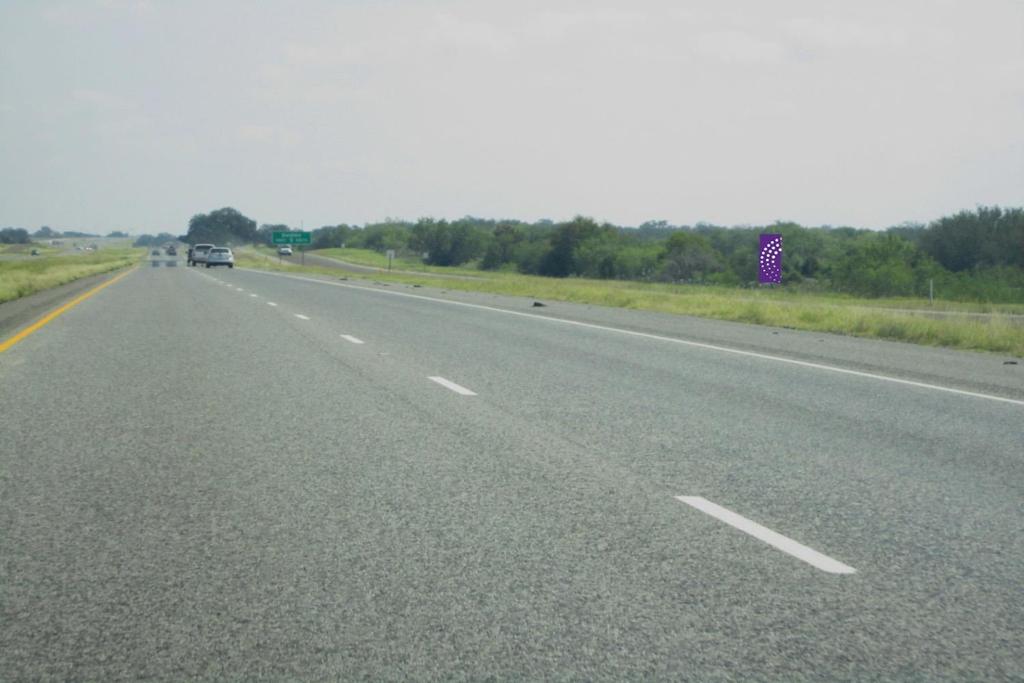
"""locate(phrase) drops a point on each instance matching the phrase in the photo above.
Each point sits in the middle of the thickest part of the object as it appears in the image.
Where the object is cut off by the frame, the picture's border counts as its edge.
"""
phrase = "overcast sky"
(135, 114)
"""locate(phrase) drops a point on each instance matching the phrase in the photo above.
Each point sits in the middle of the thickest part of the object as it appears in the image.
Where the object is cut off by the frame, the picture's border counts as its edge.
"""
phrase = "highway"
(232, 474)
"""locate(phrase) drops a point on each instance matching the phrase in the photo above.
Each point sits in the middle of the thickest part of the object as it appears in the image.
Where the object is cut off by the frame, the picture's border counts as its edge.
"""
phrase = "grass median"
(24, 277)
(893, 319)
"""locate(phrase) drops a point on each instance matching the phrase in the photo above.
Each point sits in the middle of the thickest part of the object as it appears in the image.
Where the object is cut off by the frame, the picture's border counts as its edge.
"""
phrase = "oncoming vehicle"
(284, 251)
(220, 256)
(199, 253)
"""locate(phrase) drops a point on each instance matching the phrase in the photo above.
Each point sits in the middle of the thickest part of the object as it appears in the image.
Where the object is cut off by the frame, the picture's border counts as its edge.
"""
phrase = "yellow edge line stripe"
(53, 314)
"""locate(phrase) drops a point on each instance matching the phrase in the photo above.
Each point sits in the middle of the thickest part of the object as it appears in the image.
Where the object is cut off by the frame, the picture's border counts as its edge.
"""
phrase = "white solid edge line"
(302, 317)
(349, 337)
(772, 538)
(453, 386)
(646, 335)
(271, 303)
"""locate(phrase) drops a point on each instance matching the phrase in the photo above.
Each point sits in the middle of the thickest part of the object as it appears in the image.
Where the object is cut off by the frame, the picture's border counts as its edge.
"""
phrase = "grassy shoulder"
(26, 249)
(893, 319)
(21, 278)
(368, 257)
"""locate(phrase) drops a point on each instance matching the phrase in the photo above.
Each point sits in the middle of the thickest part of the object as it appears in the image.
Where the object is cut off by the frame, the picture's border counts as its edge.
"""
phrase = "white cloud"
(737, 47)
(593, 22)
(84, 13)
(832, 34)
(460, 31)
(101, 100)
(132, 6)
(263, 134)
(255, 133)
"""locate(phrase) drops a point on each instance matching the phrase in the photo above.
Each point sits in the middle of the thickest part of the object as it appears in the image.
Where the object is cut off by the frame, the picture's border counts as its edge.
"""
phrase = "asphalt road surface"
(325, 262)
(228, 474)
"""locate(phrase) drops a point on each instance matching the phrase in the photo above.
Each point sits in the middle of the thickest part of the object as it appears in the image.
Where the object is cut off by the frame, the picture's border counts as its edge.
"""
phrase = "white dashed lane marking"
(453, 386)
(350, 338)
(301, 317)
(772, 538)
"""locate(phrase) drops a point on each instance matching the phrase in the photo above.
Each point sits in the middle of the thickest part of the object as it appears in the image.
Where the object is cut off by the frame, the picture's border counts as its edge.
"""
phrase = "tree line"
(11, 235)
(974, 254)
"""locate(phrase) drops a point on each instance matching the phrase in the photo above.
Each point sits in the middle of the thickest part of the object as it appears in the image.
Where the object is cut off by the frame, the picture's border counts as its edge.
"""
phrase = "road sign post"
(391, 255)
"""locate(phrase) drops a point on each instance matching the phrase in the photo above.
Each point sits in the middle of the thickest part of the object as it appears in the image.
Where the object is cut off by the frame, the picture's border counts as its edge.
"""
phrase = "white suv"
(284, 251)
(197, 254)
(220, 256)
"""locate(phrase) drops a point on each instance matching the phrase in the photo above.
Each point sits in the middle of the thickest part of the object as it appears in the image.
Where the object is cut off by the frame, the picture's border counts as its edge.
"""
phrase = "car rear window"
(219, 251)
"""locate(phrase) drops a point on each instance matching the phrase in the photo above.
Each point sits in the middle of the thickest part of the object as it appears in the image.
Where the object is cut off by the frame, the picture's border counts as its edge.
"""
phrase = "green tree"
(688, 256)
(637, 261)
(529, 255)
(987, 236)
(501, 248)
(596, 255)
(880, 264)
(560, 260)
(223, 226)
(382, 236)
(331, 236)
(446, 244)
(14, 236)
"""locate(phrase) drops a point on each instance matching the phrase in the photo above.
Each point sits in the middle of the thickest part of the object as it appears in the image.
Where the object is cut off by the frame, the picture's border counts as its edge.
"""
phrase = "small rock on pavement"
(537, 304)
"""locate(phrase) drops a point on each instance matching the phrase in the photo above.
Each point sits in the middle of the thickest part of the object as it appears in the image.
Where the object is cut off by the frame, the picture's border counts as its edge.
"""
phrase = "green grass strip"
(23, 277)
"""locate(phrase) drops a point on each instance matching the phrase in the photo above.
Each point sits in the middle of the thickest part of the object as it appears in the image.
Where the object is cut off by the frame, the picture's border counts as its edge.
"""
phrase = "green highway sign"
(292, 237)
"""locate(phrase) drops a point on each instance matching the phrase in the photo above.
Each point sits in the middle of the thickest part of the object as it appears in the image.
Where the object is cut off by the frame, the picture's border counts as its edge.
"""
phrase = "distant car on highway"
(199, 253)
(284, 251)
(155, 252)
(171, 251)
(220, 256)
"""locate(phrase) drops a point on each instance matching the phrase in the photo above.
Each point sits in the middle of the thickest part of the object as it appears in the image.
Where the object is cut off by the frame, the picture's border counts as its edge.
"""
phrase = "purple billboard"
(770, 259)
